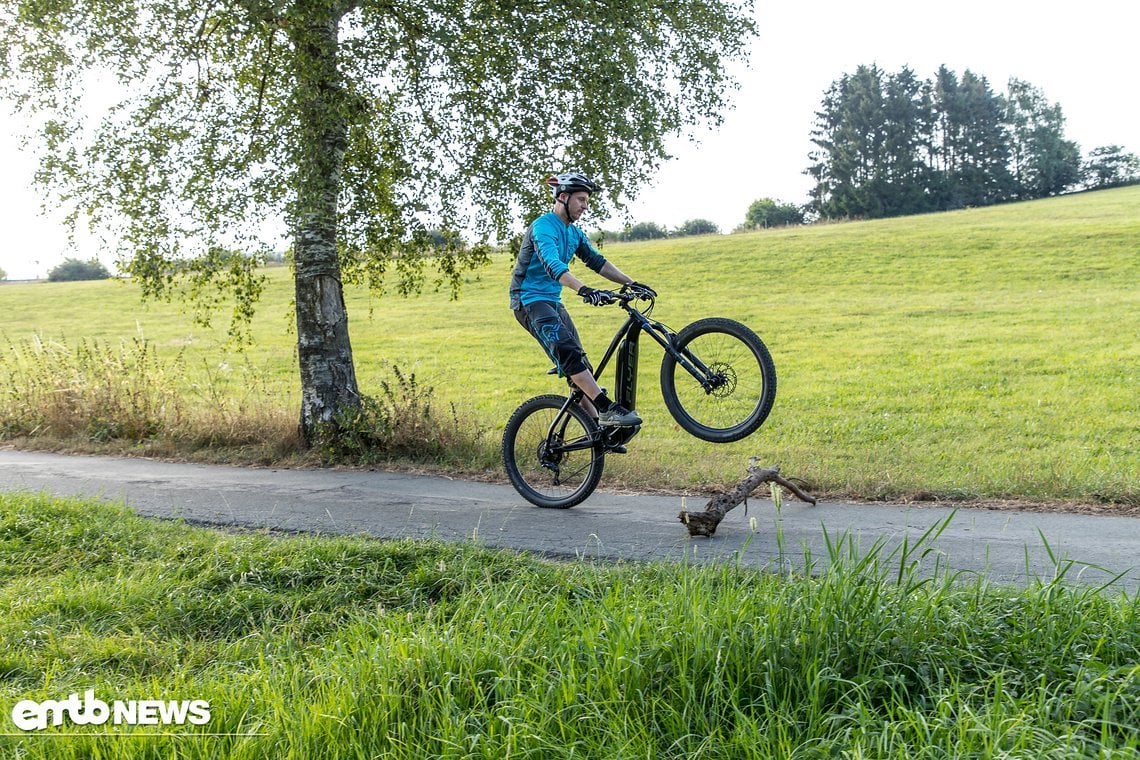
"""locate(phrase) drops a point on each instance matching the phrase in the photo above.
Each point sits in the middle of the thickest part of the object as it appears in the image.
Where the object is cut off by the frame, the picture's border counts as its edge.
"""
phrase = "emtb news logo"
(29, 715)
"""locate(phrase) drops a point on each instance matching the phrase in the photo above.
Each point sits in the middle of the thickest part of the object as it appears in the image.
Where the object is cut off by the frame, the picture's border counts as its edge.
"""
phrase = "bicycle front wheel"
(550, 455)
(728, 388)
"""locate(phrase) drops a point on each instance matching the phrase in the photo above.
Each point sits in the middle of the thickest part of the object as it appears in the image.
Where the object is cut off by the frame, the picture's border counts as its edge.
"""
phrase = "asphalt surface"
(1008, 548)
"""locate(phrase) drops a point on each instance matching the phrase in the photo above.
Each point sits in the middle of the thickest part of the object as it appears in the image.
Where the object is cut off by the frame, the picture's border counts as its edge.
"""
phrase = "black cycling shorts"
(551, 326)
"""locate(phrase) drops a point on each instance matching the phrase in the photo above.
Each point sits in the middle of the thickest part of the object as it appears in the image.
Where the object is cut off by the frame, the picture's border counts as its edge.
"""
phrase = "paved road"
(1008, 547)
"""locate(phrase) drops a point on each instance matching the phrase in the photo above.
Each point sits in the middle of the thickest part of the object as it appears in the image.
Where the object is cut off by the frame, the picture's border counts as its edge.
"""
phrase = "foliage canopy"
(453, 112)
(890, 144)
(766, 212)
(1110, 166)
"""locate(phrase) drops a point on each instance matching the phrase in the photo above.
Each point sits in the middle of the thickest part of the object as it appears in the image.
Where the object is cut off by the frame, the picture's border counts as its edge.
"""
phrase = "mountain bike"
(717, 379)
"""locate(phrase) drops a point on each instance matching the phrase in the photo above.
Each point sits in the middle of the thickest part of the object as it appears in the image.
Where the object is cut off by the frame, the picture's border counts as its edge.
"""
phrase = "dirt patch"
(1013, 505)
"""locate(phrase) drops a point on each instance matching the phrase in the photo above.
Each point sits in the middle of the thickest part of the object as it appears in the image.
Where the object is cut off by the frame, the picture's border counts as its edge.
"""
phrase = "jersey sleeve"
(546, 245)
(588, 253)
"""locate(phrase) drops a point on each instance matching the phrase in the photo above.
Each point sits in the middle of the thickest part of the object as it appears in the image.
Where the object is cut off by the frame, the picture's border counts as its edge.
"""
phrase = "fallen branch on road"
(705, 523)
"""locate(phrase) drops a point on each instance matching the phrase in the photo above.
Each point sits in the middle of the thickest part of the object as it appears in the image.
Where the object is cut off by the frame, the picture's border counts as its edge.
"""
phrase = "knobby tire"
(740, 405)
(559, 484)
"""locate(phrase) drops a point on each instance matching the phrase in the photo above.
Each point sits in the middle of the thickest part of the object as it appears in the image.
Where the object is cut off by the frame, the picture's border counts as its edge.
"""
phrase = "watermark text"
(29, 715)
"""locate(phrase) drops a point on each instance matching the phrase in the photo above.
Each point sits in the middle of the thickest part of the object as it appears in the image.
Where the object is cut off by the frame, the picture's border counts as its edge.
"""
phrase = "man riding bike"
(542, 270)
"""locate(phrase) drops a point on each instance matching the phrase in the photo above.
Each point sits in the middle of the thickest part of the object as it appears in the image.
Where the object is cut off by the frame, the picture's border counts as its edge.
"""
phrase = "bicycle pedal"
(614, 439)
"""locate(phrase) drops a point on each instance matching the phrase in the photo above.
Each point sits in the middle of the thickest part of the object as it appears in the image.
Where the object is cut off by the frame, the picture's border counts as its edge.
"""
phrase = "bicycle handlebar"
(624, 296)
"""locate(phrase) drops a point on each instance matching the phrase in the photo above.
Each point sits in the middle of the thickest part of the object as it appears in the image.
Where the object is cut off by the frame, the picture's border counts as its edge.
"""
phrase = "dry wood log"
(704, 523)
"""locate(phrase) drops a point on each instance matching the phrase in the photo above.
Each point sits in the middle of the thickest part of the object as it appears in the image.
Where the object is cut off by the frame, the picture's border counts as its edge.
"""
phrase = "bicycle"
(717, 379)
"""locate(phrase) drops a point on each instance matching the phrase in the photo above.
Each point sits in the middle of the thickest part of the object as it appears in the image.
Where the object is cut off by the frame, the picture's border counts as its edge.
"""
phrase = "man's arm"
(613, 274)
(570, 281)
(609, 271)
(595, 261)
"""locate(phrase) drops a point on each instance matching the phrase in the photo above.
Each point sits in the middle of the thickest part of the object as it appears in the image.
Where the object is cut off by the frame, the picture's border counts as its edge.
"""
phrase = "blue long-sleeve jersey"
(547, 248)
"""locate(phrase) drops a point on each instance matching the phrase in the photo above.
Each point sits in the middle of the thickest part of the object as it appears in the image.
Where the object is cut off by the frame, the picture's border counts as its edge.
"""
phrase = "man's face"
(576, 205)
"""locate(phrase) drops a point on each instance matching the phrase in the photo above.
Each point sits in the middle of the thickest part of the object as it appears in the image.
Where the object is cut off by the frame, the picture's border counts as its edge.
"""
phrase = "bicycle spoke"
(732, 370)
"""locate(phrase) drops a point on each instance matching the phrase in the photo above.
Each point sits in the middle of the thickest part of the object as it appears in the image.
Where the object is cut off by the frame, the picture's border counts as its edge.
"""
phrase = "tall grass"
(312, 648)
(48, 387)
(95, 391)
(98, 393)
(403, 420)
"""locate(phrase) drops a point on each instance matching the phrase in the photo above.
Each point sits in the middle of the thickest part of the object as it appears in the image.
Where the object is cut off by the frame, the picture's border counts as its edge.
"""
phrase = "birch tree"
(355, 125)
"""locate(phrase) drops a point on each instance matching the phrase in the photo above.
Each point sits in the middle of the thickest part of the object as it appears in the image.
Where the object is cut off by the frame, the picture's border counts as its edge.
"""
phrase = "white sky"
(1082, 56)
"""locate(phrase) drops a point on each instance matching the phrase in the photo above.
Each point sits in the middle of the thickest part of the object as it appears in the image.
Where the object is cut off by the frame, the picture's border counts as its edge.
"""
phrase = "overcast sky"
(1083, 56)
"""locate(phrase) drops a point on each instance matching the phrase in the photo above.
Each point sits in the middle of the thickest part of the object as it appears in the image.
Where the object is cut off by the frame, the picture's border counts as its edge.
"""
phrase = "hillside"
(987, 353)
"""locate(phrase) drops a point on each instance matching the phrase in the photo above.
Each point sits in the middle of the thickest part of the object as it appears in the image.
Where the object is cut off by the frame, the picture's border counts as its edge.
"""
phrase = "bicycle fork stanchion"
(709, 380)
(688, 362)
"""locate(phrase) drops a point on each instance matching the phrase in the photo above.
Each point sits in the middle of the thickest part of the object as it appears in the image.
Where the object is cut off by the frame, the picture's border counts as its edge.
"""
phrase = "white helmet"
(572, 182)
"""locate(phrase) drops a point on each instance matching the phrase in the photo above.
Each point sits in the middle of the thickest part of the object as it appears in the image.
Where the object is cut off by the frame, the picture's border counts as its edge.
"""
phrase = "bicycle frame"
(625, 346)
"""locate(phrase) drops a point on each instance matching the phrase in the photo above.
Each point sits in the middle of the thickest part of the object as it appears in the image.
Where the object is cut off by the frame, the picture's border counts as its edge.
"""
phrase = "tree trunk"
(328, 377)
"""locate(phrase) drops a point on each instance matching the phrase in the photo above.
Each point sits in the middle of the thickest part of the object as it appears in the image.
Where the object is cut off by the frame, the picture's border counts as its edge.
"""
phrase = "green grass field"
(987, 353)
(308, 648)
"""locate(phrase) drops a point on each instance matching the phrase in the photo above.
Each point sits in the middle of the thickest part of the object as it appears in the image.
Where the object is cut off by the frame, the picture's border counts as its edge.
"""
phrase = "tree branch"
(705, 523)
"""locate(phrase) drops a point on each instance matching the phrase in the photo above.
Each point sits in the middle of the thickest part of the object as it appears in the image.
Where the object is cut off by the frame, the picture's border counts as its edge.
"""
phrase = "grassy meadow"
(987, 353)
(309, 648)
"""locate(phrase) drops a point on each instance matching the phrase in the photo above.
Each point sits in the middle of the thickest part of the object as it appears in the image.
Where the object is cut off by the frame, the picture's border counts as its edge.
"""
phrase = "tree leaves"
(454, 110)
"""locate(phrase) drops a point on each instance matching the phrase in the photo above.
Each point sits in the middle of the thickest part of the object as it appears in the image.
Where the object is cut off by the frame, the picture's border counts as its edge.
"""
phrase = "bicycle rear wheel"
(738, 371)
(550, 455)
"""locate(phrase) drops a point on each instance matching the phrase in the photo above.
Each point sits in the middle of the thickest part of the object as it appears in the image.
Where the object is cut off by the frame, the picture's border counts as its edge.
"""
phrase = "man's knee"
(570, 357)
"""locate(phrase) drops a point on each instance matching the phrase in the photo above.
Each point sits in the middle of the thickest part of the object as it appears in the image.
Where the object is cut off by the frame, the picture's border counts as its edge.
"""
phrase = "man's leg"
(585, 382)
(551, 325)
(608, 414)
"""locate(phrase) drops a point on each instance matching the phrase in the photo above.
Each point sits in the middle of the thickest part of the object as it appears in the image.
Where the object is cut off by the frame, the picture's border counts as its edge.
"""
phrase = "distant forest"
(892, 144)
